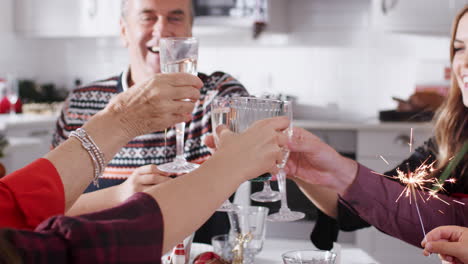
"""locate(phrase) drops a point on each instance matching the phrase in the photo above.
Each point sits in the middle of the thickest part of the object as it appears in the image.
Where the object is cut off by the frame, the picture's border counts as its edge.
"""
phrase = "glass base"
(227, 206)
(285, 215)
(266, 196)
(178, 167)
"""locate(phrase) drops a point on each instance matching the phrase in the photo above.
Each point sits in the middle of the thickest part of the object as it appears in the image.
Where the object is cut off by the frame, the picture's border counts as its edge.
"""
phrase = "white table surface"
(273, 248)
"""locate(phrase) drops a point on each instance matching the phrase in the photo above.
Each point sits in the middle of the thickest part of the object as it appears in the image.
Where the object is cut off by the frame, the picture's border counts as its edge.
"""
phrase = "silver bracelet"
(94, 152)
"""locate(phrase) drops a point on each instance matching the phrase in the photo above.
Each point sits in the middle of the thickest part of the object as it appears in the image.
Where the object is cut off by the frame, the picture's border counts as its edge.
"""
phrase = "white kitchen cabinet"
(67, 18)
(392, 144)
(324, 15)
(428, 17)
(375, 147)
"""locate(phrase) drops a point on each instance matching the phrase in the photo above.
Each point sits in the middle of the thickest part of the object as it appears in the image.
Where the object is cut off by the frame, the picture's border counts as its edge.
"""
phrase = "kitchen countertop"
(25, 120)
(368, 125)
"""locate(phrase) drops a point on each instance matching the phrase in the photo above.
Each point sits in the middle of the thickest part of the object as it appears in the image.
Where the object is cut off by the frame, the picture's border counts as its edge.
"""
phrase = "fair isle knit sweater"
(155, 148)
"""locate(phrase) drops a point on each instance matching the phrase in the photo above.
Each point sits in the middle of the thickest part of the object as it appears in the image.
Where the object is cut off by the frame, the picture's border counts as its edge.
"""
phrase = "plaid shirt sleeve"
(129, 233)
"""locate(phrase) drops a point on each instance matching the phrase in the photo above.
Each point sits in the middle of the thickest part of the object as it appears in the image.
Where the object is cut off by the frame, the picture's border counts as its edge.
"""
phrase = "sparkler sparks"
(384, 160)
(420, 180)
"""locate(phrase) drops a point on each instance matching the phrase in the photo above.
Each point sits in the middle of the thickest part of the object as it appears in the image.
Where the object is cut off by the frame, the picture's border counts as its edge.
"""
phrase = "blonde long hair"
(452, 118)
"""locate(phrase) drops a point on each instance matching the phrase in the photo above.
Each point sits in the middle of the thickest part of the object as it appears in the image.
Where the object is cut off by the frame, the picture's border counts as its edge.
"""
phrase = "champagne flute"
(179, 55)
(285, 214)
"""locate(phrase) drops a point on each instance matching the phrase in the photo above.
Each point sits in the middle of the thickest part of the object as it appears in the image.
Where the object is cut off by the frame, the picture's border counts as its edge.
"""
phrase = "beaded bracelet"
(93, 150)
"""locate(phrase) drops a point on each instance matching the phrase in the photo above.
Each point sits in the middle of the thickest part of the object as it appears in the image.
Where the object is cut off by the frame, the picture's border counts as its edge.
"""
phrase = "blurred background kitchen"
(342, 61)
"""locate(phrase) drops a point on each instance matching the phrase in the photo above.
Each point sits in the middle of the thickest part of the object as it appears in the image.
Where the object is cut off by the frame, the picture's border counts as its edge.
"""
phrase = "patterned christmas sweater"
(155, 148)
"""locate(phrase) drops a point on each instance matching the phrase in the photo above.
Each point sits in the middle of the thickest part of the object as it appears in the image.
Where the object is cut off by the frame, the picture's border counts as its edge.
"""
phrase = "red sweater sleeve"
(30, 195)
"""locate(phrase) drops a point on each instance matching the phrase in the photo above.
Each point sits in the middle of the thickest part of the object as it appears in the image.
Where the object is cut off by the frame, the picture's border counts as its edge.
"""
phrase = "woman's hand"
(154, 105)
(141, 179)
(315, 162)
(450, 242)
(257, 150)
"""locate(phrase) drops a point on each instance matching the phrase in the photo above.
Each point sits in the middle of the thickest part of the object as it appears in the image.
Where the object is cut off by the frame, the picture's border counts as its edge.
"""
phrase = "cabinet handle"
(402, 140)
(388, 5)
(92, 8)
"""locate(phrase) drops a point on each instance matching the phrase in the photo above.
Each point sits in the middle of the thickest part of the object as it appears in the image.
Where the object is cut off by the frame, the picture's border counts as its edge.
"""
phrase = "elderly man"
(143, 23)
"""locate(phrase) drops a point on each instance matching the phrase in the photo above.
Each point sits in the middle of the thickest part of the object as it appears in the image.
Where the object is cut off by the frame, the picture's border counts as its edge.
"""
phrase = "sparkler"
(420, 178)
(417, 180)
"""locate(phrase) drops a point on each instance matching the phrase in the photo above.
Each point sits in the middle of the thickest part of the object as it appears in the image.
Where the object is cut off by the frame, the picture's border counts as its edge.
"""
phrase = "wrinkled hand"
(156, 104)
(141, 179)
(257, 150)
(314, 162)
(450, 242)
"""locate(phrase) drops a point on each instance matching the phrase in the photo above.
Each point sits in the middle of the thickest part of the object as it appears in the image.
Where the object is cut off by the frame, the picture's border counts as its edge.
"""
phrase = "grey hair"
(123, 8)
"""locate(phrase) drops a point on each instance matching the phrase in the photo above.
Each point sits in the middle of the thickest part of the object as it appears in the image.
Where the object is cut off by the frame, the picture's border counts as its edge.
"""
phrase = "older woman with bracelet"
(51, 185)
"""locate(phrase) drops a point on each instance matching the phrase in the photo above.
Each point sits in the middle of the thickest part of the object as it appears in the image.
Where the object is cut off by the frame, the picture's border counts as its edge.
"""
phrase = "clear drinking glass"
(238, 114)
(223, 245)
(249, 221)
(179, 55)
(309, 257)
(221, 115)
(285, 214)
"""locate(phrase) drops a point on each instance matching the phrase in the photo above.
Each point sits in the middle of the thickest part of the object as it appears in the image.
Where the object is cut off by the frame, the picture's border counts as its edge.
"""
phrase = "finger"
(182, 107)
(178, 118)
(210, 141)
(182, 79)
(450, 233)
(184, 92)
(302, 140)
(152, 179)
(282, 140)
(277, 123)
(446, 258)
(223, 131)
(150, 169)
(443, 247)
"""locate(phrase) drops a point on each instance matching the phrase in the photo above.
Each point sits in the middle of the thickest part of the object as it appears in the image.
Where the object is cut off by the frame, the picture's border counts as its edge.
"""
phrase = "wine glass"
(238, 114)
(266, 195)
(248, 223)
(285, 214)
(309, 256)
(220, 115)
(179, 55)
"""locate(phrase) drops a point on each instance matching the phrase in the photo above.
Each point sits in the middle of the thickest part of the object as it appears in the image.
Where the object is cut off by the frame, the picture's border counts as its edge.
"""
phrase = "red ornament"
(5, 105)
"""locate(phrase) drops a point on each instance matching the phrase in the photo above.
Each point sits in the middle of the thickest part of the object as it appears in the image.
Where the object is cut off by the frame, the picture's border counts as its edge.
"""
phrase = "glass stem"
(281, 177)
(267, 186)
(180, 131)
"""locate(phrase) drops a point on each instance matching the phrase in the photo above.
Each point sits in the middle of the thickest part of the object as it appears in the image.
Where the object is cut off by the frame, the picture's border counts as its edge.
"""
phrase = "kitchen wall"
(356, 71)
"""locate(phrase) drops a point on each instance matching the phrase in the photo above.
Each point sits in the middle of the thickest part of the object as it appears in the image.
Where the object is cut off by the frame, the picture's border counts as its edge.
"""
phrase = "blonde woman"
(355, 197)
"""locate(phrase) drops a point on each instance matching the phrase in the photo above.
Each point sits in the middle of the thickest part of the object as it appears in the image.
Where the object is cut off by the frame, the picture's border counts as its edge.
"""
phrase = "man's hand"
(315, 162)
(141, 179)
